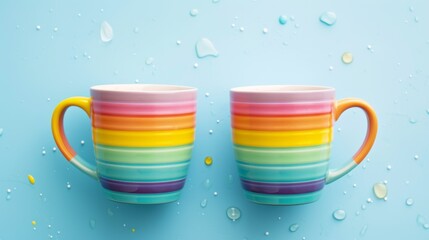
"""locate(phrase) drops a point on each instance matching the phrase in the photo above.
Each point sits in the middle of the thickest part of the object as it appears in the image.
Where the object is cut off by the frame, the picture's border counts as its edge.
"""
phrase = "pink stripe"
(143, 109)
(281, 109)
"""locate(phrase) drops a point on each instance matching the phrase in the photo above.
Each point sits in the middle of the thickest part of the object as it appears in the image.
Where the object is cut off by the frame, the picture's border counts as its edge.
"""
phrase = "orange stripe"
(143, 123)
(282, 123)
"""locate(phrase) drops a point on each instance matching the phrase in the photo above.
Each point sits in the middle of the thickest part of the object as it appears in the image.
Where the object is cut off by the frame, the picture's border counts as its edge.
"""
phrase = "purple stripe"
(283, 188)
(142, 187)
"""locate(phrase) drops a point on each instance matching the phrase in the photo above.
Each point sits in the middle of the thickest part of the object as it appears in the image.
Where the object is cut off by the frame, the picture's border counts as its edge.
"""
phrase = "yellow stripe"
(282, 138)
(166, 138)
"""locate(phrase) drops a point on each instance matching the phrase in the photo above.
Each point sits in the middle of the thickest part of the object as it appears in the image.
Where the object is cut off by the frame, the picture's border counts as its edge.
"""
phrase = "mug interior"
(155, 88)
(282, 89)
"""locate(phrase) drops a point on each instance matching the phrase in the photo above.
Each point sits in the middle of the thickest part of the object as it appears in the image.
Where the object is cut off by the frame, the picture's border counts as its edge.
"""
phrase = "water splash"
(106, 32)
(204, 48)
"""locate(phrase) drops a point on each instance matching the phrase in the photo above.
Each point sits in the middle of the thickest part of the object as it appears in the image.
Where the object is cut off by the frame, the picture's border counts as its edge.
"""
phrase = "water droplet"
(339, 130)
(233, 213)
(416, 157)
(369, 200)
(54, 149)
(389, 167)
(363, 207)
(195, 65)
(218, 121)
(68, 185)
(241, 29)
(357, 213)
(420, 219)
(215, 194)
(411, 9)
(149, 61)
(283, 19)
(136, 30)
(369, 47)
(207, 183)
(416, 19)
(31, 179)
(203, 203)
(279, 218)
(331, 68)
(297, 25)
(204, 48)
(43, 152)
(82, 142)
(426, 226)
(208, 160)
(409, 201)
(293, 227)
(1, 131)
(106, 32)
(380, 190)
(347, 58)
(265, 30)
(92, 224)
(38, 27)
(194, 12)
(363, 230)
(267, 233)
(339, 215)
(412, 120)
(34, 223)
(110, 212)
(328, 18)
(354, 185)
(427, 112)
(49, 225)
(207, 94)
(178, 42)
(210, 131)
(233, 25)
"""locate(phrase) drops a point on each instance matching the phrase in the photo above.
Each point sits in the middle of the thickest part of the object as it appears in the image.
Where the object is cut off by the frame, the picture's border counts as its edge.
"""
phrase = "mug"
(143, 136)
(282, 140)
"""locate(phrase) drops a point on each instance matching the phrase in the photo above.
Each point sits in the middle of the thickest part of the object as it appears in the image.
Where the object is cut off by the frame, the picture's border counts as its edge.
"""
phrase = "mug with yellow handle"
(282, 140)
(143, 137)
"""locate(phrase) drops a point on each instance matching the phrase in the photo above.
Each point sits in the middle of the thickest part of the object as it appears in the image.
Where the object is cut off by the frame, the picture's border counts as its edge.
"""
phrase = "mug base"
(134, 198)
(283, 199)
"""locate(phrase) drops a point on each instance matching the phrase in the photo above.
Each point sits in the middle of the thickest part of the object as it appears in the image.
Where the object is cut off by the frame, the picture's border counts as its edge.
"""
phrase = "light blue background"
(40, 68)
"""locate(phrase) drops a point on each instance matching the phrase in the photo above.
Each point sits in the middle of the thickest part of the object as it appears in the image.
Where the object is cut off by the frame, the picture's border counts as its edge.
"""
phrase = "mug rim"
(142, 88)
(289, 89)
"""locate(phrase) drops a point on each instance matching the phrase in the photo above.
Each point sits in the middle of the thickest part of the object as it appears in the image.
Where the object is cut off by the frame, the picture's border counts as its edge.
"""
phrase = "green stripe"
(156, 198)
(295, 155)
(142, 155)
(277, 199)
(146, 173)
(284, 173)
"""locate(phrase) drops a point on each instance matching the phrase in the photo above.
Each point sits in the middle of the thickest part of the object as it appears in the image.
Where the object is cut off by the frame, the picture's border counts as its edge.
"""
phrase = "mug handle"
(60, 138)
(371, 133)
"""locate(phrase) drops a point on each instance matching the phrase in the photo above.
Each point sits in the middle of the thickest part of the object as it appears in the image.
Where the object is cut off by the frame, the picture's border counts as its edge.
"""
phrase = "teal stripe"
(133, 155)
(284, 173)
(146, 173)
(277, 199)
(134, 198)
(294, 155)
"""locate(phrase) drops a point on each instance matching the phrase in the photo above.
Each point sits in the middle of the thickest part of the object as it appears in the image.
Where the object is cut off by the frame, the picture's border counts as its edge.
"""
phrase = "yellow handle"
(60, 137)
(371, 133)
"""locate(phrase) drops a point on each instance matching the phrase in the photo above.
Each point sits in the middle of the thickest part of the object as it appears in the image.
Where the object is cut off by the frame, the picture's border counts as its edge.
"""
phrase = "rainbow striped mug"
(143, 136)
(282, 140)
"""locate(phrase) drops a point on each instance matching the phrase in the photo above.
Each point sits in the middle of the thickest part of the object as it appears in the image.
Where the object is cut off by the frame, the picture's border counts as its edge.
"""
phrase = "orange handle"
(60, 137)
(371, 134)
